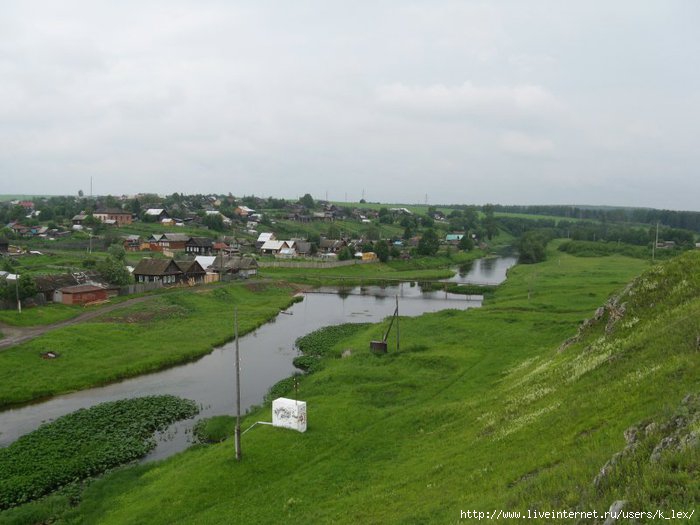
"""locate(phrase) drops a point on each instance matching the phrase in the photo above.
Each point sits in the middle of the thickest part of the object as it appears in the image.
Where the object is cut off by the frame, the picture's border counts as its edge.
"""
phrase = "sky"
(445, 102)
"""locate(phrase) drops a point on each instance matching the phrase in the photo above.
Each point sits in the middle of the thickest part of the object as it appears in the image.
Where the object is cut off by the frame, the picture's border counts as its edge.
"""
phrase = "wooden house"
(132, 243)
(199, 246)
(240, 266)
(165, 271)
(192, 272)
(168, 241)
(156, 214)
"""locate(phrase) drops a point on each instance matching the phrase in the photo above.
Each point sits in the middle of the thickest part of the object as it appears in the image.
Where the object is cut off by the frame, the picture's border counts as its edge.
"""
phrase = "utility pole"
(656, 241)
(19, 303)
(237, 434)
(398, 332)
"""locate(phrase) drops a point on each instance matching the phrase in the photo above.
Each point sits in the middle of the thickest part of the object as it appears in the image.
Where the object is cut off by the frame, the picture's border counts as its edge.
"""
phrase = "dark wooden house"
(199, 246)
(192, 272)
(165, 271)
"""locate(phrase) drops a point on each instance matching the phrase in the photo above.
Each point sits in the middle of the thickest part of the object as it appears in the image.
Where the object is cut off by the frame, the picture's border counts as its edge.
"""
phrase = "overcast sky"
(517, 102)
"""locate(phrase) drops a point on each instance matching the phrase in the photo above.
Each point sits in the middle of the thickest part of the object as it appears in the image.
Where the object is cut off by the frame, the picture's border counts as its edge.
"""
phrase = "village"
(115, 246)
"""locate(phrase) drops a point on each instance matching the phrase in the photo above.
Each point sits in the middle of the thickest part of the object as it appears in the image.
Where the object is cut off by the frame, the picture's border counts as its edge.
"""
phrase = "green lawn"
(40, 315)
(478, 411)
(418, 268)
(169, 329)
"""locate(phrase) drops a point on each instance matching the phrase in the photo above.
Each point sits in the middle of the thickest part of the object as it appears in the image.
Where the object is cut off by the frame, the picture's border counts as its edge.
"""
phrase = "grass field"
(418, 268)
(40, 315)
(480, 411)
(169, 329)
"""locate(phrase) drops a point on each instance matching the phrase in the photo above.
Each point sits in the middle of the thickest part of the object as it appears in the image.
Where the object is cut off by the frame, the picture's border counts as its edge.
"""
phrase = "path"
(15, 335)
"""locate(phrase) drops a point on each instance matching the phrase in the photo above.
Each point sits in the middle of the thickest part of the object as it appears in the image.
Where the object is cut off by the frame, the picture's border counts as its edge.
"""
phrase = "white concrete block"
(289, 413)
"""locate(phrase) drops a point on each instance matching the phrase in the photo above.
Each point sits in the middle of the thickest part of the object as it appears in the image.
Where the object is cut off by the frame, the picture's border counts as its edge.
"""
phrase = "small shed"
(82, 294)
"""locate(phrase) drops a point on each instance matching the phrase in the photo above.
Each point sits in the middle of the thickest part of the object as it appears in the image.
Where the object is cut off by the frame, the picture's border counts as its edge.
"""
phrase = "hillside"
(530, 403)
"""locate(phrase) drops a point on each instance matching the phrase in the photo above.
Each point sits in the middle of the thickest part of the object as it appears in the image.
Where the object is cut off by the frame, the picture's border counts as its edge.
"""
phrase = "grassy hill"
(525, 404)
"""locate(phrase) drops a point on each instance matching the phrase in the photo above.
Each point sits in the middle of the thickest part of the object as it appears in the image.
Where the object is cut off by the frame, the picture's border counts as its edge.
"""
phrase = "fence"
(139, 288)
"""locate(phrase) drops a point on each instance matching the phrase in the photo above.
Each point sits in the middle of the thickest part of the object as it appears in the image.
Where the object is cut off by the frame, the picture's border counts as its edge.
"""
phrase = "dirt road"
(15, 335)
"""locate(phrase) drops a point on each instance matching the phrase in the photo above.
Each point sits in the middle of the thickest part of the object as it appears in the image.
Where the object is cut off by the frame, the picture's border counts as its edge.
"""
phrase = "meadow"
(481, 409)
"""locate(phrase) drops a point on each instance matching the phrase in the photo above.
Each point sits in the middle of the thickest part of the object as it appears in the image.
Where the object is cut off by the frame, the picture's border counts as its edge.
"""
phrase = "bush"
(214, 429)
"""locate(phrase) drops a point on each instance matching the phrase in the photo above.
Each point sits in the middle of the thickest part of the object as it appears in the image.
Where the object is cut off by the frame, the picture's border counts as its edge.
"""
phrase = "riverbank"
(172, 328)
(443, 424)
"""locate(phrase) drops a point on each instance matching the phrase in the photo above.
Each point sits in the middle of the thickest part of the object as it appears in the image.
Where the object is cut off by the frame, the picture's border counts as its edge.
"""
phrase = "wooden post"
(237, 437)
(398, 332)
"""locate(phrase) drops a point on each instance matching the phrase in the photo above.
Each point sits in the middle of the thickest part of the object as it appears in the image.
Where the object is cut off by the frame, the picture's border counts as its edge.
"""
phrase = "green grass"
(416, 269)
(478, 411)
(214, 429)
(169, 329)
(40, 315)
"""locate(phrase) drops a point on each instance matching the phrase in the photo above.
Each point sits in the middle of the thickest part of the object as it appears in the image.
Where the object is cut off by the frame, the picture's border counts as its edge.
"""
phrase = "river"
(266, 357)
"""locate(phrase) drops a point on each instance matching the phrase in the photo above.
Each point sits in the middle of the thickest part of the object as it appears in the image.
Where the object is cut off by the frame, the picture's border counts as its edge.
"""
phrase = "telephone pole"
(237, 434)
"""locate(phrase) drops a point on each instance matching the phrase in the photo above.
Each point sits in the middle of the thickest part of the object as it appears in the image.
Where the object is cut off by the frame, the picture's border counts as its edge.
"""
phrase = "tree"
(113, 271)
(385, 216)
(532, 248)
(214, 222)
(466, 243)
(345, 254)
(307, 201)
(489, 222)
(26, 287)
(372, 233)
(333, 232)
(381, 248)
(429, 243)
(117, 251)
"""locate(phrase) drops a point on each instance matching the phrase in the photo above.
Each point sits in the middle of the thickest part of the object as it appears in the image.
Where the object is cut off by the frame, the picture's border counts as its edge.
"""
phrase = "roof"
(175, 237)
(454, 236)
(79, 217)
(288, 251)
(234, 263)
(190, 266)
(148, 266)
(154, 211)
(303, 246)
(273, 245)
(266, 236)
(205, 261)
(205, 242)
(113, 211)
(82, 288)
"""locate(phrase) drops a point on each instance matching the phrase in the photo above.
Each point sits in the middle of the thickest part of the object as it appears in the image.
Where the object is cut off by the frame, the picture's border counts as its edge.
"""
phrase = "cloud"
(468, 98)
(524, 144)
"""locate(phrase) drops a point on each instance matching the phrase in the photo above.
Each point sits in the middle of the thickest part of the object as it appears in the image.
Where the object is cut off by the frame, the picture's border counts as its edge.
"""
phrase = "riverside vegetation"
(85, 443)
(481, 409)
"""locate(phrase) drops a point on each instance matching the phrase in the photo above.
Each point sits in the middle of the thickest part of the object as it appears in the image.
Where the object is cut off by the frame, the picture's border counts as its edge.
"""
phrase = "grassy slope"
(40, 315)
(478, 411)
(169, 329)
